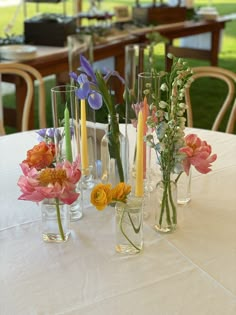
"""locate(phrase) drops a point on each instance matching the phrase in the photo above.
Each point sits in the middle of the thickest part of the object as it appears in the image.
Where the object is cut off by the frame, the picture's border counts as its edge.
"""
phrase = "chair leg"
(2, 129)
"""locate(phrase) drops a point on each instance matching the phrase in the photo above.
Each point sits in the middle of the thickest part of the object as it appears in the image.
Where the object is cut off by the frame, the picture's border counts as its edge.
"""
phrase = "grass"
(203, 113)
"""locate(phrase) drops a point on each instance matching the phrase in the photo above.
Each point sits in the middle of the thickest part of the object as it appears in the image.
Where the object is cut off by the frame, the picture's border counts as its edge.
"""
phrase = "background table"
(191, 271)
(54, 60)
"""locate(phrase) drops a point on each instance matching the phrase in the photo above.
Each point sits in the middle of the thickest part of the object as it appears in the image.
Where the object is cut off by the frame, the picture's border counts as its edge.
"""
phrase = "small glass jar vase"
(129, 226)
(55, 220)
(166, 206)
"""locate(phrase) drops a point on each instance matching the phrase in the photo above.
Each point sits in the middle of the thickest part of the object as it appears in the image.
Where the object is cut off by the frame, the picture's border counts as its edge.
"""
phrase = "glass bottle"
(109, 167)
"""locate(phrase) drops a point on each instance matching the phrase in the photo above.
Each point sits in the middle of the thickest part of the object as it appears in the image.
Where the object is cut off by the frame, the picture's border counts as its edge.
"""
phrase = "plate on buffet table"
(17, 52)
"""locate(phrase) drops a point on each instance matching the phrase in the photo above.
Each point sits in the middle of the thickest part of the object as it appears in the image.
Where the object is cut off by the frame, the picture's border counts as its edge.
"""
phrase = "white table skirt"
(192, 271)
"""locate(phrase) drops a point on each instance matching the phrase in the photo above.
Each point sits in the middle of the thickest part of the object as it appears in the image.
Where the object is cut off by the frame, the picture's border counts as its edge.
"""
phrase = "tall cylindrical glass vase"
(67, 135)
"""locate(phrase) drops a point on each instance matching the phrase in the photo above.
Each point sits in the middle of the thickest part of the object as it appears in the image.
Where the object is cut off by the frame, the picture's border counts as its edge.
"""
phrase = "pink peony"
(59, 182)
(198, 154)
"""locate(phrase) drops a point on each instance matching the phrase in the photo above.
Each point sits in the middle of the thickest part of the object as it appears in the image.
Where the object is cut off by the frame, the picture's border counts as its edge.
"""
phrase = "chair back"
(229, 103)
(26, 72)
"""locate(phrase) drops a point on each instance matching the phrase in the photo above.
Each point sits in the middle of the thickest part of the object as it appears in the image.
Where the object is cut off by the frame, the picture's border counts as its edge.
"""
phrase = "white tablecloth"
(192, 271)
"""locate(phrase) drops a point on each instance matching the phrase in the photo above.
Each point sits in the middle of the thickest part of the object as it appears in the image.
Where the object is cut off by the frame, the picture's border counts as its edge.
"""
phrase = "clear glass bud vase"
(166, 206)
(129, 225)
(55, 220)
(184, 188)
(114, 156)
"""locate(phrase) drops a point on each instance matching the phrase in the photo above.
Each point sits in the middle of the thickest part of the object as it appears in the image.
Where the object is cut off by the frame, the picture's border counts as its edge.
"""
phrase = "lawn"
(227, 58)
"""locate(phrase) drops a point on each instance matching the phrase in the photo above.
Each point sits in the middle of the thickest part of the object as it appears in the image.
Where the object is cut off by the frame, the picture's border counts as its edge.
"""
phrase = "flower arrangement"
(128, 222)
(93, 86)
(43, 178)
(175, 152)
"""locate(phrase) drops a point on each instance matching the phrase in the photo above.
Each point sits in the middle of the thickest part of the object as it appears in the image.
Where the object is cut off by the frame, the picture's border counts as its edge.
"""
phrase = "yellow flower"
(120, 192)
(101, 196)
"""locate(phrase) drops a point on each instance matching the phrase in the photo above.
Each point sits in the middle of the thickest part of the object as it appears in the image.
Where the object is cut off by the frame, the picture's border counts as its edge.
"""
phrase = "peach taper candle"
(145, 116)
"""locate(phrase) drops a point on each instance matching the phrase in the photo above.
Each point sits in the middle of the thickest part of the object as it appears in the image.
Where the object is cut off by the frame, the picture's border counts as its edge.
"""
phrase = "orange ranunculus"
(40, 156)
(101, 196)
(120, 192)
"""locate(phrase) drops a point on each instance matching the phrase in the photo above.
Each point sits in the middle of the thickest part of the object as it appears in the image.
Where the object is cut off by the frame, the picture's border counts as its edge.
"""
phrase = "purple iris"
(42, 133)
(87, 68)
(47, 134)
(113, 73)
(86, 91)
(88, 84)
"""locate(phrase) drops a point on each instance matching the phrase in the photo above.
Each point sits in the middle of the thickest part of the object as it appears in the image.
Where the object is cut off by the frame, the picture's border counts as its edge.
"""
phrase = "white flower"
(163, 104)
(182, 105)
(164, 87)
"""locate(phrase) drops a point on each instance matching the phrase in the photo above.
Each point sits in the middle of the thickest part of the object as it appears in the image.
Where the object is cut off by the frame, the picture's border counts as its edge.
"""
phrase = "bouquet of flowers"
(44, 178)
(128, 220)
(175, 152)
(93, 86)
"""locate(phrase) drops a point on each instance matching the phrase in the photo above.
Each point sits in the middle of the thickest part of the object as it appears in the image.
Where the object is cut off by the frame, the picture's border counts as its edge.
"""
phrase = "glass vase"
(114, 154)
(184, 188)
(166, 206)
(148, 82)
(55, 220)
(129, 226)
(65, 118)
(67, 133)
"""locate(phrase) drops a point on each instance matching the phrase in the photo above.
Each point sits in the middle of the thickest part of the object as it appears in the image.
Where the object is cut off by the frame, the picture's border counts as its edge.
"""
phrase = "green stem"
(177, 178)
(174, 216)
(59, 219)
(123, 232)
(114, 145)
(136, 230)
(168, 219)
(165, 207)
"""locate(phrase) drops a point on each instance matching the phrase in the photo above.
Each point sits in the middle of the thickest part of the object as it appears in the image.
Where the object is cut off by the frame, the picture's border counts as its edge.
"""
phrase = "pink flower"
(198, 154)
(59, 182)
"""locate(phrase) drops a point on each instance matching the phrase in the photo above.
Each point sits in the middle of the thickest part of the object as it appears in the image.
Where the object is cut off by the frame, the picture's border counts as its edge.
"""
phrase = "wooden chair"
(229, 103)
(26, 72)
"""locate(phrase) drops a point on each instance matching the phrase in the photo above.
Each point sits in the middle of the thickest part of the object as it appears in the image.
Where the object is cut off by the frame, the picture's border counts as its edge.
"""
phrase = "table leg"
(215, 44)
(119, 87)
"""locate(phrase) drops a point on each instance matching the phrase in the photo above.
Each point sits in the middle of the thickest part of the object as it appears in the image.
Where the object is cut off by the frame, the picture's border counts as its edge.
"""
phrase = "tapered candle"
(67, 135)
(84, 140)
(139, 157)
(145, 115)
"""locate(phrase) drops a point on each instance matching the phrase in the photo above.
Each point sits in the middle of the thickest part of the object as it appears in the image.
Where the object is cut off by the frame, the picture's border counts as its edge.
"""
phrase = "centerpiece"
(128, 212)
(54, 185)
(175, 151)
(93, 87)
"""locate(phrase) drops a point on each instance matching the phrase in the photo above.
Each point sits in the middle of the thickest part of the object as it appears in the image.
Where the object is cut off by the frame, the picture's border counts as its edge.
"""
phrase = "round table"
(191, 271)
